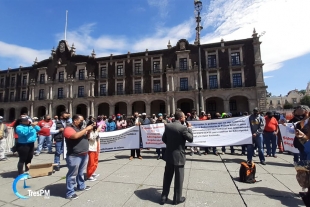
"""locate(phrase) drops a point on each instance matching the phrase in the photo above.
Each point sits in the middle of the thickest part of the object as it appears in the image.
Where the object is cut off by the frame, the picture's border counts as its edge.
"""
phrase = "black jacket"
(175, 137)
(296, 142)
(59, 136)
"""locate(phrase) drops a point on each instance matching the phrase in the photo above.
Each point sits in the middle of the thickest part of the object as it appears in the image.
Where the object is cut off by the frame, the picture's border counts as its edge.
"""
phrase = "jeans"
(59, 150)
(76, 168)
(270, 139)
(258, 140)
(243, 149)
(48, 143)
(302, 155)
(163, 151)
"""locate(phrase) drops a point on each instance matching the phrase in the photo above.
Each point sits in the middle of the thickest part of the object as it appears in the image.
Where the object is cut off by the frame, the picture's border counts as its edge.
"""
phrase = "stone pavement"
(209, 181)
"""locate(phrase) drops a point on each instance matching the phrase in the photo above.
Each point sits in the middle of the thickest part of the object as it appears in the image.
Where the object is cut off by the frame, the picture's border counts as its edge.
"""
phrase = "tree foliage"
(288, 106)
(303, 92)
(305, 100)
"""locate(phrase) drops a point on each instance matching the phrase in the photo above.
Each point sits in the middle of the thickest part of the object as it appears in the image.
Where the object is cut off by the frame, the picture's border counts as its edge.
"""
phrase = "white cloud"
(162, 6)
(21, 55)
(284, 21)
(265, 77)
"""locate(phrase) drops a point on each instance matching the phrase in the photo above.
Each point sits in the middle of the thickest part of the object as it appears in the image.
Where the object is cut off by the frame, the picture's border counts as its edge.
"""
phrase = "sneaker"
(51, 152)
(140, 158)
(95, 175)
(263, 162)
(131, 158)
(91, 179)
(85, 189)
(72, 197)
(37, 153)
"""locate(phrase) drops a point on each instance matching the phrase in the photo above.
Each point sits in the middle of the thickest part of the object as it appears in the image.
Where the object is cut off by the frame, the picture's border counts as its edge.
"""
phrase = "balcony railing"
(40, 98)
(80, 95)
(188, 88)
(24, 84)
(59, 96)
(42, 81)
(104, 76)
(212, 66)
(236, 63)
(12, 84)
(138, 72)
(23, 98)
(138, 91)
(104, 93)
(81, 77)
(120, 92)
(12, 99)
(61, 80)
(156, 71)
(157, 90)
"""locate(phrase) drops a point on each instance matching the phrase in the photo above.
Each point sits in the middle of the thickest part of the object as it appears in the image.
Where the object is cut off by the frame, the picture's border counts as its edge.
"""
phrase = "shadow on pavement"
(149, 194)
(291, 198)
(10, 174)
(127, 157)
(57, 189)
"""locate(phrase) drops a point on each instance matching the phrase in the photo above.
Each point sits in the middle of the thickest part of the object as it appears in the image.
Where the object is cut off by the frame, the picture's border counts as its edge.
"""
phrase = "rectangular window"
(103, 89)
(61, 76)
(24, 96)
(12, 98)
(13, 81)
(183, 84)
(270, 102)
(183, 63)
(103, 72)
(156, 67)
(279, 102)
(42, 78)
(237, 80)
(156, 86)
(119, 89)
(138, 69)
(120, 70)
(81, 91)
(233, 105)
(213, 81)
(81, 74)
(41, 94)
(211, 61)
(2, 82)
(212, 106)
(24, 81)
(138, 87)
(235, 58)
(60, 93)
(1, 97)
(294, 100)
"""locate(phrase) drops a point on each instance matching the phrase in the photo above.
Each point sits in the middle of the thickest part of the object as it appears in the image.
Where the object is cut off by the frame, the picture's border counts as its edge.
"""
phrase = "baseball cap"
(118, 115)
(160, 114)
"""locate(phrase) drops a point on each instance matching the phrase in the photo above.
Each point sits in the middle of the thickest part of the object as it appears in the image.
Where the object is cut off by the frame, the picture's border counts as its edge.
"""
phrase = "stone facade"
(277, 102)
(149, 81)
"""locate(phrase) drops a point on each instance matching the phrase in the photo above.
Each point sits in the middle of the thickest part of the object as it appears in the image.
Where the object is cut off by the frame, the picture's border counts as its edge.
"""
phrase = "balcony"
(137, 73)
(140, 91)
(80, 95)
(157, 90)
(81, 77)
(119, 76)
(236, 64)
(120, 92)
(61, 80)
(156, 71)
(212, 66)
(188, 88)
(13, 84)
(103, 76)
(23, 99)
(12, 99)
(40, 98)
(24, 84)
(42, 81)
(103, 93)
(182, 69)
(59, 96)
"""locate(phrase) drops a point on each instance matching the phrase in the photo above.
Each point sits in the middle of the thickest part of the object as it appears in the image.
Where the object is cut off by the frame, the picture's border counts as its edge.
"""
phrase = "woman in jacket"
(27, 135)
(121, 123)
(111, 126)
(93, 152)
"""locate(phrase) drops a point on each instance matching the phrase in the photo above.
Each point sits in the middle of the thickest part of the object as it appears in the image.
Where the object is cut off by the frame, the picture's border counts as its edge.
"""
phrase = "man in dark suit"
(175, 137)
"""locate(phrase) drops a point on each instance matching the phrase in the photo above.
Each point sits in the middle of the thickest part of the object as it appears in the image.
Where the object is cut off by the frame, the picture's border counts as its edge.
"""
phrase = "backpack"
(247, 172)
(303, 178)
(1, 131)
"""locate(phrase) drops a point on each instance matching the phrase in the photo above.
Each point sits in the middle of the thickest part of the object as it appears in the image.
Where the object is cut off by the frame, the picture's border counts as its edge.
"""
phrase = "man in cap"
(3, 136)
(257, 123)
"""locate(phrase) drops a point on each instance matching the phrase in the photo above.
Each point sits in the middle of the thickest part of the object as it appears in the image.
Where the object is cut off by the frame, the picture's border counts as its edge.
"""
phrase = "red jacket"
(45, 127)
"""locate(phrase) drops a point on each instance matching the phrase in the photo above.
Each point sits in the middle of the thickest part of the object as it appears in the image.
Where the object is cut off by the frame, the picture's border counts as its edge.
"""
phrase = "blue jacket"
(27, 134)
(111, 126)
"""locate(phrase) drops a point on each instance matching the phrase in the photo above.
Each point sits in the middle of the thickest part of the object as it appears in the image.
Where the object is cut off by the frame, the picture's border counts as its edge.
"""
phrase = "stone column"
(31, 110)
(112, 110)
(202, 102)
(88, 112)
(92, 89)
(92, 111)
(51, 93)
(226, 106)
(70, 88)
(168, 106)
(32, 94)
(70, 108)
(129, 109)
(148, 109)
(172, 84)
(50, 112)
(196, 103)
(173, 104)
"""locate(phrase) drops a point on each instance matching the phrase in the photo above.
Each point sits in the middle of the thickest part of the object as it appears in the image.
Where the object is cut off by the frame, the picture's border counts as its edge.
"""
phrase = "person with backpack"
(3, 136)
(257, 124)
(111, 126)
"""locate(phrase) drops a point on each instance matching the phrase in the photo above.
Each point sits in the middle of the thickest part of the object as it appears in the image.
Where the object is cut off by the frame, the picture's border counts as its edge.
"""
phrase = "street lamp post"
(198, 8)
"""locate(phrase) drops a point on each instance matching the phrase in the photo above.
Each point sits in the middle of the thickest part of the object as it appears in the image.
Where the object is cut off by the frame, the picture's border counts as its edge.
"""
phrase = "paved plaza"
(209, 181)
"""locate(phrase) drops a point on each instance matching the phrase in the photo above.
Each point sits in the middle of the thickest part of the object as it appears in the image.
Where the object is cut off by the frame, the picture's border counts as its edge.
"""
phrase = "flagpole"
(66, 25)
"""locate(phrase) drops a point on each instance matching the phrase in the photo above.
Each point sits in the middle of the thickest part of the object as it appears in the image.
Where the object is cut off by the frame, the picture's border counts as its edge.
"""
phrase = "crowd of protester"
(83, 145)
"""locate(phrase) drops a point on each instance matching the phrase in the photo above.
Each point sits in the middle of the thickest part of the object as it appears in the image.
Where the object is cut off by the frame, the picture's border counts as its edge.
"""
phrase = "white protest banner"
(120, 139)
(221, 132)
(152, 135)
(288, 139)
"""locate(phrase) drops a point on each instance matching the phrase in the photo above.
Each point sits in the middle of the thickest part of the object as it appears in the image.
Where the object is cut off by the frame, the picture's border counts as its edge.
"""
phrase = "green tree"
(268, 94)
(305, 100)
(287, 106)
(302, 91)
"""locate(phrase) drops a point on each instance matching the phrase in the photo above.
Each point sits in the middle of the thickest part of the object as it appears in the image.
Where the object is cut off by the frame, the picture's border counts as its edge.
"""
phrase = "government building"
(148, 81)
